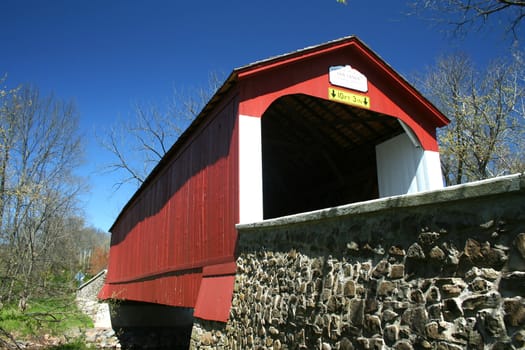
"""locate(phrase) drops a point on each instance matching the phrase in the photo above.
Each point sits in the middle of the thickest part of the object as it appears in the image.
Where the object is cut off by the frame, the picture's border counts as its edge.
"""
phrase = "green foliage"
(43, 316)
(40, 150)
(43, 241)
(74, 345)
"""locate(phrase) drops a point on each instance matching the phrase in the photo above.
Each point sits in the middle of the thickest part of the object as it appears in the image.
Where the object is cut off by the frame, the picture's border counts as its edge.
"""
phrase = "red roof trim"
(352, 41)
(278, 61)
(393, 75)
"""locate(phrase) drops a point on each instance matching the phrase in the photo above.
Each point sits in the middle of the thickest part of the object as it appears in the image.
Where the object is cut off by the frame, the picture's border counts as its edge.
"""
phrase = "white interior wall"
(404, 167)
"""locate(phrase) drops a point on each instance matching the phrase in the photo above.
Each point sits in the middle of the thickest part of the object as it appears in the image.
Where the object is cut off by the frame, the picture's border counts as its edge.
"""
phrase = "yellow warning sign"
(348, 98)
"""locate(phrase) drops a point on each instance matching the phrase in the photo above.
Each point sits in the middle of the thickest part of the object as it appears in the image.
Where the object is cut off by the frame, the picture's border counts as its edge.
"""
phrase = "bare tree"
(40, 148)
(462, 14)
(137, 145)
(485, 136)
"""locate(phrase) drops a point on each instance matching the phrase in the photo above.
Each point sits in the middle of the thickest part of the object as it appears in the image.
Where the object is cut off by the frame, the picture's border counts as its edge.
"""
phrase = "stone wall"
(87, 301)
(438, 270)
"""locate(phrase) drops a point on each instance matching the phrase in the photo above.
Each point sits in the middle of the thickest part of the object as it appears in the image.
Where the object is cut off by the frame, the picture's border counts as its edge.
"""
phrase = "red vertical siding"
(182, 221)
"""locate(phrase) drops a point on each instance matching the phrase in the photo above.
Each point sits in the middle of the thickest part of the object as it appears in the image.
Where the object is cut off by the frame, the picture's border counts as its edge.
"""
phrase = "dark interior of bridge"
(318, 154)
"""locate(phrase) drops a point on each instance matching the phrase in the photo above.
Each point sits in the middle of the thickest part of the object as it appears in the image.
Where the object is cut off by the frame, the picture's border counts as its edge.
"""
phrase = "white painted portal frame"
(402, 167)
(250, 170)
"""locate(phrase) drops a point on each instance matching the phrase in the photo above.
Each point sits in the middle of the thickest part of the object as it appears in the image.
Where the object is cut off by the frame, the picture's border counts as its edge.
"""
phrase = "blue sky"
(108, 55)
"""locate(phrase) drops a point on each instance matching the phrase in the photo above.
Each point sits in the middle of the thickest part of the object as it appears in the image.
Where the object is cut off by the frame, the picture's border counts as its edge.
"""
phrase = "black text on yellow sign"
(348, 98)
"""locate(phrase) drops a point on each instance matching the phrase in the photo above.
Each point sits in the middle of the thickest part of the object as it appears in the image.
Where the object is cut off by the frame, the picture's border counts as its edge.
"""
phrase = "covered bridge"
(324, 126)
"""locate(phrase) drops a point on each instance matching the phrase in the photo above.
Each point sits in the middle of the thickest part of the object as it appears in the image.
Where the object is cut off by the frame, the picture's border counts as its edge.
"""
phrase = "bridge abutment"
(442, 269)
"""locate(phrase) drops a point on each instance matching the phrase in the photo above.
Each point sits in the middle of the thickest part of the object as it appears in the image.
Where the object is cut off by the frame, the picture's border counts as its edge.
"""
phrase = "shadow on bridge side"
(151, 326)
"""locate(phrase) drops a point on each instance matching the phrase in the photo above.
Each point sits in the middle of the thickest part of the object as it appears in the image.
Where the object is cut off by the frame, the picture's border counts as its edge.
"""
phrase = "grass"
(53, 317)
(75, 345)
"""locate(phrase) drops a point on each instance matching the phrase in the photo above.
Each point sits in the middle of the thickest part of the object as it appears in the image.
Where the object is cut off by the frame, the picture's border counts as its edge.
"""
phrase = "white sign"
(348, 77)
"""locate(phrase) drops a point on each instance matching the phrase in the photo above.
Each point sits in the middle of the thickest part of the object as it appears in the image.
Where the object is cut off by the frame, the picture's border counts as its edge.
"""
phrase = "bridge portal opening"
(318, 154)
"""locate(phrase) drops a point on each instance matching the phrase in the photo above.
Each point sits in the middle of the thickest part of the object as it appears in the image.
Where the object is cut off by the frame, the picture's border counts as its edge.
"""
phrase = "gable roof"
(237, 76)
(359, 48)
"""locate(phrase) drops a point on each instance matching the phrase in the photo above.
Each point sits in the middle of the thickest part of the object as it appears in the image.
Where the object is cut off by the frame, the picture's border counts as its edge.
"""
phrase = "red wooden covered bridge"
(324, 126)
